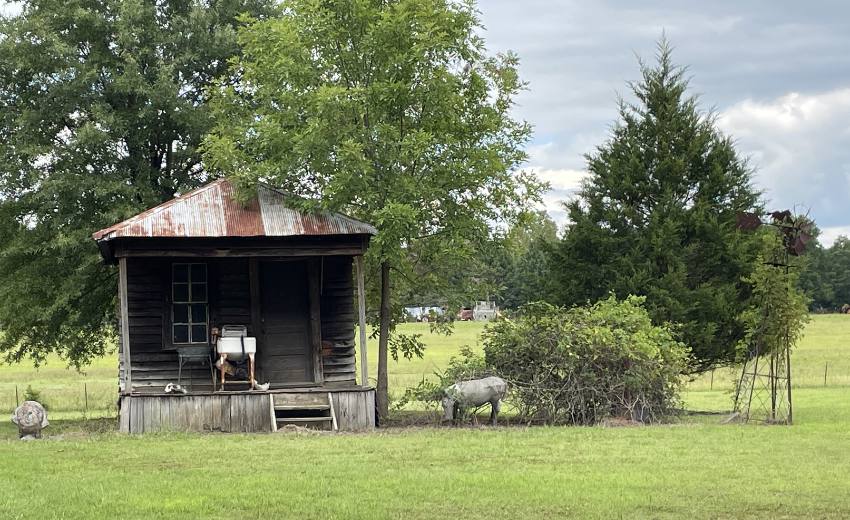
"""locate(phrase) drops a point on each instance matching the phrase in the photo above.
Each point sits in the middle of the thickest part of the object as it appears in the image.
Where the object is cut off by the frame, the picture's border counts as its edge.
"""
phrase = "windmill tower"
(763, 393)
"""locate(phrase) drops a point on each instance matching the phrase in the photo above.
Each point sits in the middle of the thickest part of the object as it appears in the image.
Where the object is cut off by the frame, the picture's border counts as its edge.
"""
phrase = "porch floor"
(200, 390)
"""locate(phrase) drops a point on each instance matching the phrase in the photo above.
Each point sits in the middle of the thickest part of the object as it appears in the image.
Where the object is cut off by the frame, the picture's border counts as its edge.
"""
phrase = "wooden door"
(286, 353)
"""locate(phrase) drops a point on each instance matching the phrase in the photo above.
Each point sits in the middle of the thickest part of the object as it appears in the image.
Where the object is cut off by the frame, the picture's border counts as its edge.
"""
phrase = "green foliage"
(31, 394)
(510, 267)
(518, 263)
(657, 217)
(585, 364)
(390, 111)
(468, 365)
(779, 309)
(102, 109)
(409, 345)
(826, 277)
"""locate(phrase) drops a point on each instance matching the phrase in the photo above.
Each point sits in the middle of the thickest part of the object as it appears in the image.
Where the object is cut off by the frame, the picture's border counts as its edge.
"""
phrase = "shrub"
(584, 364)
(31, 394)
(468, 365)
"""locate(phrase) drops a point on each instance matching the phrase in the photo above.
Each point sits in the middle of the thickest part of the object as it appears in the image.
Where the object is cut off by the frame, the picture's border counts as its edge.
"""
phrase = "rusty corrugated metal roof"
(212, 211)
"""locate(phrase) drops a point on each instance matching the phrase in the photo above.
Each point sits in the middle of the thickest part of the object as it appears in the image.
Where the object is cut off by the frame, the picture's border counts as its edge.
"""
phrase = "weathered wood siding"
(355, 410)
(236, 412)
(148, 283)
(154, 361)
(195, 413)
(338, 319)
(230, 293)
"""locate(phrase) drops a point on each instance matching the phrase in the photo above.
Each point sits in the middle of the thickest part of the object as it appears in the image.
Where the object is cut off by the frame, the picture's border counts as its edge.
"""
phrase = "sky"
(776, 72)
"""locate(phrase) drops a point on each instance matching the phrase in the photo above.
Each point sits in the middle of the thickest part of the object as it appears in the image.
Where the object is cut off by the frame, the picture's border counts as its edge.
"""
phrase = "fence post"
(17, 399)
(825, 368)
(711, 385)
(86, 398)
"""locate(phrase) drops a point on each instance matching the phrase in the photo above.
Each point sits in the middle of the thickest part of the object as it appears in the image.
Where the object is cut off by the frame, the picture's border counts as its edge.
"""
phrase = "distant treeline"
(826, 276)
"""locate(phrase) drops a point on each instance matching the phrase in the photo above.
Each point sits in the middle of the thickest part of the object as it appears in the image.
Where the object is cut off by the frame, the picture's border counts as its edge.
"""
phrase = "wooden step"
(309, 409)
(320, 423)
(300, 399)
(302, 419)
(288, 407)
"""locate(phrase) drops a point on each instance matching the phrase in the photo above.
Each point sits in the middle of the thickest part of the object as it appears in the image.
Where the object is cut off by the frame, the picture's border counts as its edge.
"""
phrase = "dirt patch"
(619, 422)
(292, 429)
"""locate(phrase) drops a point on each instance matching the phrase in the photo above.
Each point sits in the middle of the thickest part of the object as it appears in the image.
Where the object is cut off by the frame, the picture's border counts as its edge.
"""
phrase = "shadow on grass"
(67, 428)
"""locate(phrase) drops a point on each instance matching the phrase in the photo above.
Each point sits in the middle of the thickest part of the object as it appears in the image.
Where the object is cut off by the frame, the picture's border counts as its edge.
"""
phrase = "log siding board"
(254, 297)
(125, 324)
(361, 315)
(337, 316)
(314, 276)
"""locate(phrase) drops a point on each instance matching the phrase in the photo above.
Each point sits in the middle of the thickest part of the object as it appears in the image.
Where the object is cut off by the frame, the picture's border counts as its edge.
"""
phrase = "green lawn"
(64, 390)
(675, 471)
(695, 468)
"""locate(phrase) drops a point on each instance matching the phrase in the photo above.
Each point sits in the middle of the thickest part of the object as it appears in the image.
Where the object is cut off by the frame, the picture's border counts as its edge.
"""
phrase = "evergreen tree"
(102, 108)
(657, 217)
(833, 274)
(817, 275)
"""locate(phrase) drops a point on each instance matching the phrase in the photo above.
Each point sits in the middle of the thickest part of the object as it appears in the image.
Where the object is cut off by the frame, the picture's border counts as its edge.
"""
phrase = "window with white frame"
(189, 309)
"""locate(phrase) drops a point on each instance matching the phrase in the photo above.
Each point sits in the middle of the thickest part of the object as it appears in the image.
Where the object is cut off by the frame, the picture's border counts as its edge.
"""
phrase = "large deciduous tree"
(657, 217)
(390, 110)
(102, 109)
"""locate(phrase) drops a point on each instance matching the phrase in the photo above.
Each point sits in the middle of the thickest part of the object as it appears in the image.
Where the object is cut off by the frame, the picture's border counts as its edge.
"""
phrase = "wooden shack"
(203, 261)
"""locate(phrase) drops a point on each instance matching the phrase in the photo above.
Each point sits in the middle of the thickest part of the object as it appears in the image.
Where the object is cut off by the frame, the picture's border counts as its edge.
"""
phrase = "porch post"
(361, 307)
(125, 324)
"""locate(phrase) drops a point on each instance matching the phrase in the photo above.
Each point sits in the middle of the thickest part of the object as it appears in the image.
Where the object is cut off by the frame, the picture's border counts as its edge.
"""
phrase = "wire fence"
(66, 401)
(808, 375)
(98, 398)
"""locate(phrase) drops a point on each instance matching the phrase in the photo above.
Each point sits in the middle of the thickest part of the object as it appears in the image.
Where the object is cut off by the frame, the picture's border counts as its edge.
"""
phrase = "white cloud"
(799, 145)
(10, 8)
(745, 58)
(562, 168)
(562, 179)
(829, 234)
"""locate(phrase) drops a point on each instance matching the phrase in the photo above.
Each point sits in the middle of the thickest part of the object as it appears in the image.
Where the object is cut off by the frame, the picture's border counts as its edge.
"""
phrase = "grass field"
(695, 468)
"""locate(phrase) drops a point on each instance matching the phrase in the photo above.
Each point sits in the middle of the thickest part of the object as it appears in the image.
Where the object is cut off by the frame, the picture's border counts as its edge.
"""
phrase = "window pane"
(181, 273)
(199, 333)
(199, 313)
(199, 292)
(181, 334)
(199, 273)
(181, 292)
(181, 313)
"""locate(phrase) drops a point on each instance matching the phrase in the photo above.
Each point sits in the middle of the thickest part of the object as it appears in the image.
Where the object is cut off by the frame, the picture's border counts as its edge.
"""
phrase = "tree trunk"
(383, 400)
